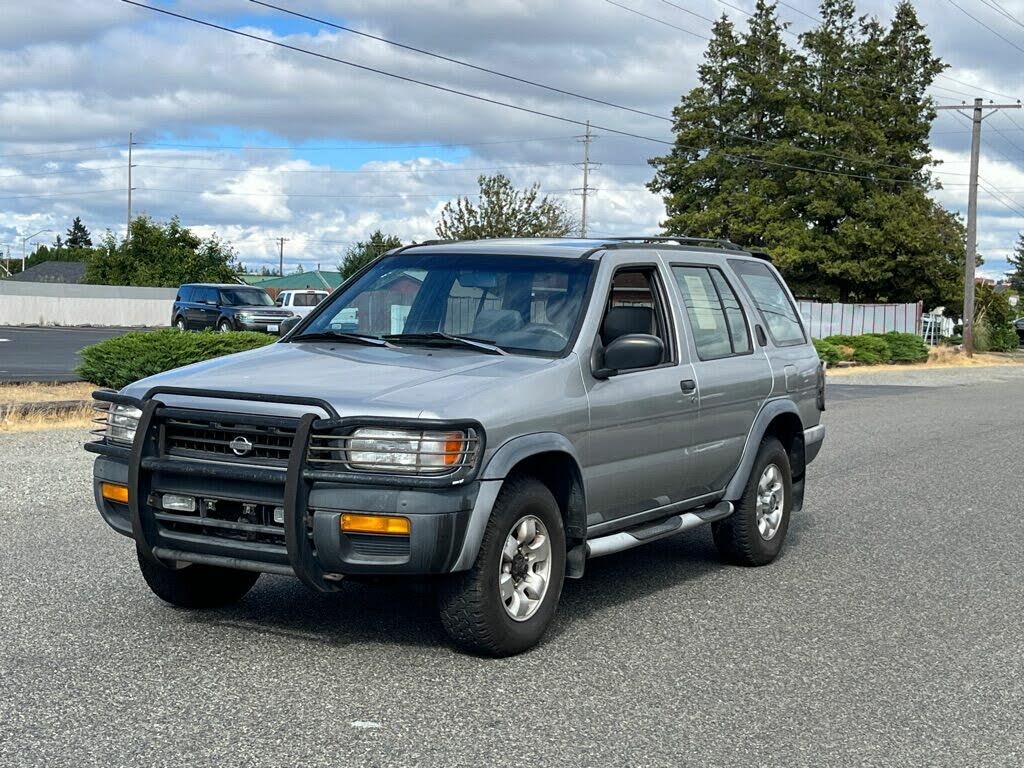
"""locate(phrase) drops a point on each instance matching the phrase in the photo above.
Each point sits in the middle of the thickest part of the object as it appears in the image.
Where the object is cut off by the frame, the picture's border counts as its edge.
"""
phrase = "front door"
(641, 421)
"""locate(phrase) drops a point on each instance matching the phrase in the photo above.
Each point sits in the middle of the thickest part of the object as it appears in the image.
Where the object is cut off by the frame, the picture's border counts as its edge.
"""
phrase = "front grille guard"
(145, 457)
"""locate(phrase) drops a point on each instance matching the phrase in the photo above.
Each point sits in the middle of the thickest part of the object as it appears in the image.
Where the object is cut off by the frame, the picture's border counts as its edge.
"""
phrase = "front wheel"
(504, 604)
(193, 585)
(180, 324)
(224, 326)
(755, 532)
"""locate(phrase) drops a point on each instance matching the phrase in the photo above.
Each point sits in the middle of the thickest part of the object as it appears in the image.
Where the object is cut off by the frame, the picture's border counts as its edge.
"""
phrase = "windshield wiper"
(481, 344)
(355, 338)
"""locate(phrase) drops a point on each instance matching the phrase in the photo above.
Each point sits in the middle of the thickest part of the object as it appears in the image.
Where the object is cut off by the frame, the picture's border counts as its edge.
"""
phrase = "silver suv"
(493, 414)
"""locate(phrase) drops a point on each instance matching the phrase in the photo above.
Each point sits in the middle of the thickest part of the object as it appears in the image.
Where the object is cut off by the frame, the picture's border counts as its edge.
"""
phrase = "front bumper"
(309, 543)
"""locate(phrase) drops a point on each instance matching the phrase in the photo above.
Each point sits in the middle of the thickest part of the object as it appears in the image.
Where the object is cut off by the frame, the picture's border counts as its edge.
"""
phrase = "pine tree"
(78, 235)
(1016, 259)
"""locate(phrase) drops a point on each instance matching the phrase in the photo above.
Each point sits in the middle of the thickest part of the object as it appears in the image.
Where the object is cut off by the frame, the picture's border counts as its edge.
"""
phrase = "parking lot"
(46, 354)
(889, 632)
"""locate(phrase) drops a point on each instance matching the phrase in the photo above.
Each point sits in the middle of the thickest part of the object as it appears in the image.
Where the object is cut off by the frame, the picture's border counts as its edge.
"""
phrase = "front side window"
(635, 306)
(245, 297)
(772, 301)
(522, 304)
(716, 318)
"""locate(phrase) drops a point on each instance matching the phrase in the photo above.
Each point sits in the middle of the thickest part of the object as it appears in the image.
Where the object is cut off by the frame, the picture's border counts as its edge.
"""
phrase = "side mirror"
(286, 325)
(634, 350)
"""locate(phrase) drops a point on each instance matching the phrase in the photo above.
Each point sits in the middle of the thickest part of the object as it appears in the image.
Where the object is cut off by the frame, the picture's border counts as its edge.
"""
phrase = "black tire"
(472, 610)
(737, 537)
(180, 324)
(196, 586)
(224, 325)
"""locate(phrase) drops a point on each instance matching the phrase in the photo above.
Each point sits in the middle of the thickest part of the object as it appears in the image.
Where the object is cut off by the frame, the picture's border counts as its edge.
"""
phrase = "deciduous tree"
(504, 211)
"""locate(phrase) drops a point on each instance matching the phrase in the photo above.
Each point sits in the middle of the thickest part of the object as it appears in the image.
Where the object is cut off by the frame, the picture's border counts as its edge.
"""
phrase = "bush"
(906, 347)
(1003, 338)
(117, 362)
(869, 348)
(827, 351)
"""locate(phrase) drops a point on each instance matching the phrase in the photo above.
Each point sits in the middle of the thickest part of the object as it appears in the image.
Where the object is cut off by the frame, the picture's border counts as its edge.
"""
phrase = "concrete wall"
(72, 304)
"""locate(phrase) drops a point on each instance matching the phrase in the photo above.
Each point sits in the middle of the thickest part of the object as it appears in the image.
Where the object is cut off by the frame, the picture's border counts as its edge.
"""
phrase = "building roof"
(318, 279)
(53, 272)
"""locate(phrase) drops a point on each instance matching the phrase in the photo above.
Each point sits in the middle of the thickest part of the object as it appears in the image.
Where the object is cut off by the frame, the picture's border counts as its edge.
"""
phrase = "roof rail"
(714, 242)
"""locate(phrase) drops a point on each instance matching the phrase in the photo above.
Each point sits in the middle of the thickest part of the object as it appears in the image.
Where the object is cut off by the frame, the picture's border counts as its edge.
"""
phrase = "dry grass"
(30, 422)
(39, 393)
(939, 357)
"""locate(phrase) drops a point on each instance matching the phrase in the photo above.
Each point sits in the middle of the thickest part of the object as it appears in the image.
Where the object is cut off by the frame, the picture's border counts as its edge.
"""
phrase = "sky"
(256, 142)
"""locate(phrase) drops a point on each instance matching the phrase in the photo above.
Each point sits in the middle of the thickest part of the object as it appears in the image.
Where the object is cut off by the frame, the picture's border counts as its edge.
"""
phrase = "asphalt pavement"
(46, 354)
(888, 633)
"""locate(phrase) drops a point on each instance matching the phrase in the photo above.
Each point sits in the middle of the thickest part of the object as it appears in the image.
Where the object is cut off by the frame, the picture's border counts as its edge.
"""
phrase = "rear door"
(205, 307)
(733, 374)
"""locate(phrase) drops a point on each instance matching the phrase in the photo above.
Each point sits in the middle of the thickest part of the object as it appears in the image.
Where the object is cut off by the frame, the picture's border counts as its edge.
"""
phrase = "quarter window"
(716, 318)
(772, 301)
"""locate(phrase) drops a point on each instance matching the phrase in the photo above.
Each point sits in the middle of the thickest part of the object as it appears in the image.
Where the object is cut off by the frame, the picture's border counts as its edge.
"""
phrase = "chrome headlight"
(122, 421)
(409, 451)
(245, 317)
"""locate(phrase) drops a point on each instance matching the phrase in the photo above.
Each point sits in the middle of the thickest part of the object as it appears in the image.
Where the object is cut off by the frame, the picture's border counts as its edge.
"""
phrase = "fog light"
(176, 503)
(279, 515)
(114, 492)
(386, 524)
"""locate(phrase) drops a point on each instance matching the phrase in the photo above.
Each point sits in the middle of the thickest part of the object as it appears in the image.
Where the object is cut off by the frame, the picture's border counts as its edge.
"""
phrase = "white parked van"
(301, 303)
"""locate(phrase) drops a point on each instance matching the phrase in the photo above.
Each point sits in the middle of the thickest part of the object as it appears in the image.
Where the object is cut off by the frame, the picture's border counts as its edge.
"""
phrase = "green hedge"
(117, 362)
(873, 348)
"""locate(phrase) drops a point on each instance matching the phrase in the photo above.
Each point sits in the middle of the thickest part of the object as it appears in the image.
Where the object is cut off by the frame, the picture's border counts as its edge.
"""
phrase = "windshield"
(245, 297)
(522, 304)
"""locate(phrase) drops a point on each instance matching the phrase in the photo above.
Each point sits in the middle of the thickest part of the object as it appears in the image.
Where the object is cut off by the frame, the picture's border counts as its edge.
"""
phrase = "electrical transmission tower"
(586, 190)
(971, 261)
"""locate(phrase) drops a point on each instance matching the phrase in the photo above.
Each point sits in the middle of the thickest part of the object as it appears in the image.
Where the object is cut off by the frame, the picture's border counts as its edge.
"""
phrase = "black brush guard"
(145, 458)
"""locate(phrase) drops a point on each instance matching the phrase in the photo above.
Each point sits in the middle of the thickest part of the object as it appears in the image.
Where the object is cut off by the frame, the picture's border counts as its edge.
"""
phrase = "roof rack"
(713, 242)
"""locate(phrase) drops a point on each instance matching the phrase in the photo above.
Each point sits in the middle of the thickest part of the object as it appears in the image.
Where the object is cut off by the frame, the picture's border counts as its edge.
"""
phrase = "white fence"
(823, 320)
(72, 304)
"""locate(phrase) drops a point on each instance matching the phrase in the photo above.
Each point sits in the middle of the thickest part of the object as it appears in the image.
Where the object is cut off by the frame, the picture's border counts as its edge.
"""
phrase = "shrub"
(906, 347)
(117, 362)
(869, 349)
(1001, 338)
(827, 351)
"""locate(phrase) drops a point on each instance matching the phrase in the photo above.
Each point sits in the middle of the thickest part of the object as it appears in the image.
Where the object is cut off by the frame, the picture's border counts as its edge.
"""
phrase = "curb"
(53, 407)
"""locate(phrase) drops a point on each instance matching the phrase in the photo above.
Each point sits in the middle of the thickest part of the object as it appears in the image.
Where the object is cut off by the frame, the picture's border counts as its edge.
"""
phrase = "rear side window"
(306, 299)
(778, 312)
(716, 318)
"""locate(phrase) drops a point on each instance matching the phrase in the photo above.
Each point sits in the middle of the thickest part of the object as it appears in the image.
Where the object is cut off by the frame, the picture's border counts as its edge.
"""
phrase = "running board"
(644, 534)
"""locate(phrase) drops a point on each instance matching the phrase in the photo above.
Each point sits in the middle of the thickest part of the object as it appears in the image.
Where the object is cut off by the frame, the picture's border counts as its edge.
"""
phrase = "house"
(53, 272)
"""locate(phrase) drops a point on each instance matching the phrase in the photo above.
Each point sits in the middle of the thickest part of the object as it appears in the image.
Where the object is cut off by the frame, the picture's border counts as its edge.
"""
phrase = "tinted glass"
(208, 295)
(245, 297)
(778, 312)
(520, 303)
(716, 319)
(306, 299)
(186, 293)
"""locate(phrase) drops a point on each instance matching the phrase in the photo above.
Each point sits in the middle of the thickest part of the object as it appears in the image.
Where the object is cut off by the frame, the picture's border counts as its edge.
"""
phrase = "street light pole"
(24, 240)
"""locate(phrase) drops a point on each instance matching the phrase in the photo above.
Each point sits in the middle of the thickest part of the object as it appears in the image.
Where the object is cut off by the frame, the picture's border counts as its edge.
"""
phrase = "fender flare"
(768, 412)
(492, 477)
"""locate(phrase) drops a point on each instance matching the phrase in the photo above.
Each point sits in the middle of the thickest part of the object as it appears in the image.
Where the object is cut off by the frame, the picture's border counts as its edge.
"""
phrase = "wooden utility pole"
(128, 232)
(970, 263)
(280, 242)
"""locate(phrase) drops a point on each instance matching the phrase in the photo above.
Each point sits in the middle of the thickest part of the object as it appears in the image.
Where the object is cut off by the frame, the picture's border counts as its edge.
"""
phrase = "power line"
(986, 26)
(659, 21)
(459, 62)
(60, 151)
(64, 194)
(345, 147)
(975, 87)
(64, 172)
(346, 172)
(509, 105)
(995, 6)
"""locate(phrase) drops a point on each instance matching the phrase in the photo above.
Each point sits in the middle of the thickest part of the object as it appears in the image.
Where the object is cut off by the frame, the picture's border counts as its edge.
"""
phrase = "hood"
(406, 381)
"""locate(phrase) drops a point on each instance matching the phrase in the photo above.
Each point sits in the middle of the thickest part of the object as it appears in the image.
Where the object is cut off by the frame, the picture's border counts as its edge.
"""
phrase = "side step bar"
(644, 534)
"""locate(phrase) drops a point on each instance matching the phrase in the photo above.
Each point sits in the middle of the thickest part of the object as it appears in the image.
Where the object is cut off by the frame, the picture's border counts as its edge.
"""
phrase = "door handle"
(688, 385)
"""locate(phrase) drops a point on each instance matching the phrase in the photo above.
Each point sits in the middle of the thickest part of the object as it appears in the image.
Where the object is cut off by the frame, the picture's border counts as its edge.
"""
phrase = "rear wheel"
(192, 585)
(755, 532)
(504, 604)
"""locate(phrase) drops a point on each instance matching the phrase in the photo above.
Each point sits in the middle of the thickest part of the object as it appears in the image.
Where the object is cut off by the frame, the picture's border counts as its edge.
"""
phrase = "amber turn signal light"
(114, 492)
(385, 524)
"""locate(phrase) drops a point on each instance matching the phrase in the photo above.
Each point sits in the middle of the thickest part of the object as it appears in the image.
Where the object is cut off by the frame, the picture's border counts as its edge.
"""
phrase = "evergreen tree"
(78, 235)
(365, 251)
(1016, 259)
(819, 154)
